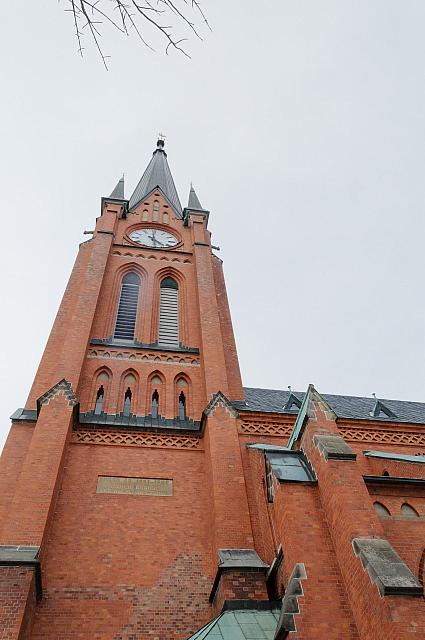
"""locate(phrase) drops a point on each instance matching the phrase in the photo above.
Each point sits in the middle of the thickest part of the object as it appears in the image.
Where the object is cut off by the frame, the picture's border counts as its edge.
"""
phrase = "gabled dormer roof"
(157, 176)
(381, 411)
(292, 404)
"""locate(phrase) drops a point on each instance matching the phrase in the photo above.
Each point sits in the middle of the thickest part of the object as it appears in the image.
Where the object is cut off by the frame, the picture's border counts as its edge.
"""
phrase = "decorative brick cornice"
(381, 436)
(123, 439)
(220, 400)
(265, 428)
(61, 388)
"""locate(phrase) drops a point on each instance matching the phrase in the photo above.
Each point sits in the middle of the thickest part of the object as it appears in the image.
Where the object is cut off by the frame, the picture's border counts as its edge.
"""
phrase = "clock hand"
(154, 240)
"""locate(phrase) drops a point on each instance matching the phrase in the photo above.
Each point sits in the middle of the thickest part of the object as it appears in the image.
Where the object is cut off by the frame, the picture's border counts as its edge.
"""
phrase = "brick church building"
(145, 494)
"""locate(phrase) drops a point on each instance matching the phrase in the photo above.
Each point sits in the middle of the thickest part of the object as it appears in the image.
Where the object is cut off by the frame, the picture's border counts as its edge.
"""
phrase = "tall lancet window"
(182, 406)
(168, 334)
(99, 400)
(127, 402)
(155, 404)
(127, 307)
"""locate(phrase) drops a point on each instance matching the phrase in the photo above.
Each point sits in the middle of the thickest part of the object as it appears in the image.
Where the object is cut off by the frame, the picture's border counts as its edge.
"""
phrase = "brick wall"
(17, 602)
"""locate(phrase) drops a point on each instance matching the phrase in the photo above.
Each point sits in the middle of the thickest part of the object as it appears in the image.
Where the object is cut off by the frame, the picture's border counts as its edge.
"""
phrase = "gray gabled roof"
(358, 408)
(118, 192)
(157, 176)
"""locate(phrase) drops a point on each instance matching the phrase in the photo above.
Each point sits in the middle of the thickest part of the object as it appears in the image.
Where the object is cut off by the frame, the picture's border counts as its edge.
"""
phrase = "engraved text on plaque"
(135, 486)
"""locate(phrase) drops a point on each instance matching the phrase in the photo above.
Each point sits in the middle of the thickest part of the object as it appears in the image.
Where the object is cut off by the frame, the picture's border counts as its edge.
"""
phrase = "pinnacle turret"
(118, 192)
(193, 202)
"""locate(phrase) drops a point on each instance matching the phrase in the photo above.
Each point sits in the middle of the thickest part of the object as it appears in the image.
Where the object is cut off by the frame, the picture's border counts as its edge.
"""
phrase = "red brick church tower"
(145, 494)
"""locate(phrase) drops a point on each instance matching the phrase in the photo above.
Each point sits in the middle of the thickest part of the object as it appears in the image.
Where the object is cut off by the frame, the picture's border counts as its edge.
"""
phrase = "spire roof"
(157, 176)
(118, 192)
(194, 200)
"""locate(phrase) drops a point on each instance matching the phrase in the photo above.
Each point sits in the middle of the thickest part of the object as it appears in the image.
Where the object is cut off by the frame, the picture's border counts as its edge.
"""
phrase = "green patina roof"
(240, 625)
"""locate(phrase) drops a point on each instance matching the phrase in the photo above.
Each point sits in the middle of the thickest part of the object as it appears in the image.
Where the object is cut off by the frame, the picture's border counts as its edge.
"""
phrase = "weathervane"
(161, 137)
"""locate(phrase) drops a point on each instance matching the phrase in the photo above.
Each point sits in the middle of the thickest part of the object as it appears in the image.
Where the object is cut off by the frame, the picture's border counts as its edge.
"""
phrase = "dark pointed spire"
(194, 200)
(157, 176)
(118, 192)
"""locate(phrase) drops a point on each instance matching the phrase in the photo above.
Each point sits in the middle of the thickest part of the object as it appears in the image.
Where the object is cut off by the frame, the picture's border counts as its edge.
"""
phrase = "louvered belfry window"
(127, 307)
(168, 334)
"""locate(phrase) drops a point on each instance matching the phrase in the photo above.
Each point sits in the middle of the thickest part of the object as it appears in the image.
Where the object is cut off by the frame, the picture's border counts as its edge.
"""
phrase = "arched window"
(165, 217)
(408, 512)
(155, 211)
(145, 215)
(182, 406)
(127, 402)
(100, 391)
(168, 332)
(127, 307)
(381, 510)
(99, 400)
(155, 404)
(181, 397)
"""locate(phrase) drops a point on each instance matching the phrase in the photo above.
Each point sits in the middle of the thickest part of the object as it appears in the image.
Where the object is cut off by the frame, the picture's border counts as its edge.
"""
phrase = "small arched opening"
(381, 510)
(407, 511)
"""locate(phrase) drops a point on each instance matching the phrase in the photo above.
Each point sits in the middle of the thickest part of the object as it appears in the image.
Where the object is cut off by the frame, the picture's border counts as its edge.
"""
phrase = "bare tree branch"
(136, 15)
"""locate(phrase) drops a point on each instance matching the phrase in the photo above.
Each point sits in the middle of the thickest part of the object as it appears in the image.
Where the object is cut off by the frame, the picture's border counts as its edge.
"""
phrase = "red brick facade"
(142, 566)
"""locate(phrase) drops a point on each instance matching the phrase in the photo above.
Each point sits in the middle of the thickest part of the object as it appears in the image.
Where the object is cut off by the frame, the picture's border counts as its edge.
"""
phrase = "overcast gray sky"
(300, 123)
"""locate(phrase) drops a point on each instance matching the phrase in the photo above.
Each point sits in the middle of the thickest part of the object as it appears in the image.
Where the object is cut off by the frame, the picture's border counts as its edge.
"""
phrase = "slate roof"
(118, 192)
(194, 200)
(358, 408)
(157, 175)
(240, 625)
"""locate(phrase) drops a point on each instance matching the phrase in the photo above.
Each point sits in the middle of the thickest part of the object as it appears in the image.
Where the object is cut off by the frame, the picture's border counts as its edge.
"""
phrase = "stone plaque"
(135, 486)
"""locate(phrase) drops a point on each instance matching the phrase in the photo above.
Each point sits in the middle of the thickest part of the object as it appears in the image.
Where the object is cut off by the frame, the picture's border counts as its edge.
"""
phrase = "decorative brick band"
(142, 356)
(383, 437)
(132, 254)
(258, 427)
(166, 441)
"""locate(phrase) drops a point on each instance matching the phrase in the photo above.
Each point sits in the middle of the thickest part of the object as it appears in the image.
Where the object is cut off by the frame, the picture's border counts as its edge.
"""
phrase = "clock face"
(154, 238)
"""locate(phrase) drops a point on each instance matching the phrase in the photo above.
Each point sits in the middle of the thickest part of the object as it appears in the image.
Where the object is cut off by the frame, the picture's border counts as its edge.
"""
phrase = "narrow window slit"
(127, 402)
(155, 404)
(182, 406)
(99, 400)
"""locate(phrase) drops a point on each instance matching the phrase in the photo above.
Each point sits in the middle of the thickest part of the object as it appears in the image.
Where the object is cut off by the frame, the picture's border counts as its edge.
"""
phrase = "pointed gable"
(157, 176)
